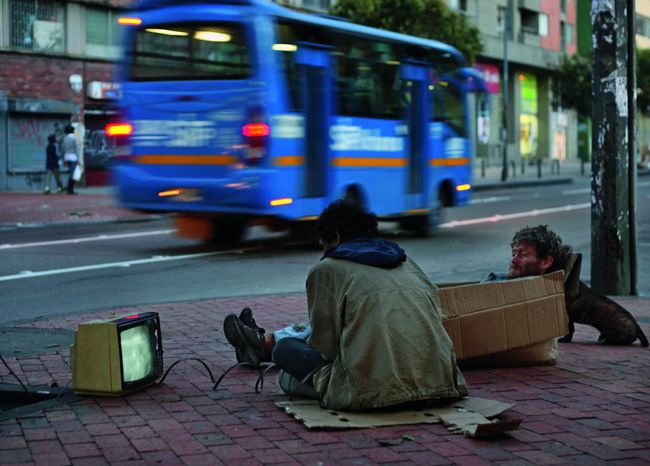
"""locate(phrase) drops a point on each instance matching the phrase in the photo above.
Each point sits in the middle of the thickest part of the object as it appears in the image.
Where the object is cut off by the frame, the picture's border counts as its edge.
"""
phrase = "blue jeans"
(298, 360)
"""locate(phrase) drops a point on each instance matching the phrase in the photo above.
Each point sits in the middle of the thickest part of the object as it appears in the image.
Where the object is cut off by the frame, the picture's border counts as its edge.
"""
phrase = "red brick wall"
(552, 41)
(31, 76)
(40, 77)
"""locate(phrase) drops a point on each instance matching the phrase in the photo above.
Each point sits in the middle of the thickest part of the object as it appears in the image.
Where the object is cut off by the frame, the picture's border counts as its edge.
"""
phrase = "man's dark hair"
(545, 241)
(350, 219)
(69, 129)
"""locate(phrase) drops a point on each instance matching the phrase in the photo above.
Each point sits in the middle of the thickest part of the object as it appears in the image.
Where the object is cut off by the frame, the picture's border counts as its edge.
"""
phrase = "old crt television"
(116, 355)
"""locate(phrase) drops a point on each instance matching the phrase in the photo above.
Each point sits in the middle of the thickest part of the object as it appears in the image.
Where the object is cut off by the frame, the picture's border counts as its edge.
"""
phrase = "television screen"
(136, 347)
(117, 355)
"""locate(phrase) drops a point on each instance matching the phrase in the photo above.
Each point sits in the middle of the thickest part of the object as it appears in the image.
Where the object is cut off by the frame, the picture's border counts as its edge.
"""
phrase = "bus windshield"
(175, 52)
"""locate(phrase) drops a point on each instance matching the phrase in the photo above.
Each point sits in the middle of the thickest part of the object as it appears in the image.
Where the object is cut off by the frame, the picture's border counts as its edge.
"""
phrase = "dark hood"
(369, 251)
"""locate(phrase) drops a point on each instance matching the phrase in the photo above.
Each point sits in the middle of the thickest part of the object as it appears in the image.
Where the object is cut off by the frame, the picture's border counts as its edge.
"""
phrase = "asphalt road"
(67, 269)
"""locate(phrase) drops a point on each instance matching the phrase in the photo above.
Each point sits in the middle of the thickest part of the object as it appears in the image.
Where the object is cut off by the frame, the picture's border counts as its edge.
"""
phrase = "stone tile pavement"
(592, 407)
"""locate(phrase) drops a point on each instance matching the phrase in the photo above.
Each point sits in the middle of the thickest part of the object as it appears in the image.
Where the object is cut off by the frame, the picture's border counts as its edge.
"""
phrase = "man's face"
(525, 261)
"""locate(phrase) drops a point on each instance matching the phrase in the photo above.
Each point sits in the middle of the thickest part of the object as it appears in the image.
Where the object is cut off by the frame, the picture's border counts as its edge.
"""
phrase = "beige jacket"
(382, 329)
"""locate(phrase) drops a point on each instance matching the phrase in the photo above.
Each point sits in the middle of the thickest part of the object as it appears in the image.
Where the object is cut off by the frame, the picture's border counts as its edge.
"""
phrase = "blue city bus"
(245, 112)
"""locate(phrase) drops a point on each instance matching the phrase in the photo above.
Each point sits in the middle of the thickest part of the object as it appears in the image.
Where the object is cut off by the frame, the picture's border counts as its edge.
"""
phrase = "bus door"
(413, 76)
(313, 65)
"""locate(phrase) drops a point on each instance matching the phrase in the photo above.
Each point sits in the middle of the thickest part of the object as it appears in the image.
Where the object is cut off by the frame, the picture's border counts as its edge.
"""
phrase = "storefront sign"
(102, 90)
(490, 76)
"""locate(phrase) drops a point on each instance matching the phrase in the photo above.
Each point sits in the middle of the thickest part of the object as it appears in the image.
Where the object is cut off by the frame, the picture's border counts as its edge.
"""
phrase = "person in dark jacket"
(52, 164)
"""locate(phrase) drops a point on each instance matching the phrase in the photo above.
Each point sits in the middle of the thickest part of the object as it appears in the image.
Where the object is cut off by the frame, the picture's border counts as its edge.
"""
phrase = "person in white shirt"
(70, 158)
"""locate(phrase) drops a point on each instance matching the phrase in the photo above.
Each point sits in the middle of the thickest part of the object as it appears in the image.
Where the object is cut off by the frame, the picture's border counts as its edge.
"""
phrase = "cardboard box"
(487, 318)
(537, 354)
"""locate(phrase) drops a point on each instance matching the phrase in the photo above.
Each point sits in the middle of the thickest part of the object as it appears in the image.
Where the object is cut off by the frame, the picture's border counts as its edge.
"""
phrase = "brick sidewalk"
(37, 208)
(593, 407)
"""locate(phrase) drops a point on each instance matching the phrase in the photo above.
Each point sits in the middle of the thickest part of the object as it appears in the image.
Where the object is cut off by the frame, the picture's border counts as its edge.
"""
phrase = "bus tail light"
(118, 133)
(256, 138)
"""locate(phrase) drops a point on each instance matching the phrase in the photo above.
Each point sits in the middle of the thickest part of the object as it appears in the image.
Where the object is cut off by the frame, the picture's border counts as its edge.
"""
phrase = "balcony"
(529, 36)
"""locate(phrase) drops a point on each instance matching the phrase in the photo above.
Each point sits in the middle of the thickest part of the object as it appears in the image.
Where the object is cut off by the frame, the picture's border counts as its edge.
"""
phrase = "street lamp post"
(504, 92)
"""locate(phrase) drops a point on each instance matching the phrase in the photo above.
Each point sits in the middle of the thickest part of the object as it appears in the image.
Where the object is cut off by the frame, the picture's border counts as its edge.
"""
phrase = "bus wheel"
(424, 225)
(228, 230)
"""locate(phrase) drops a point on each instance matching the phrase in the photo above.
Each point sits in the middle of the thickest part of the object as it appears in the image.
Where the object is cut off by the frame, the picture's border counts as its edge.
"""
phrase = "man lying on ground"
(539, 250)
(376, 335)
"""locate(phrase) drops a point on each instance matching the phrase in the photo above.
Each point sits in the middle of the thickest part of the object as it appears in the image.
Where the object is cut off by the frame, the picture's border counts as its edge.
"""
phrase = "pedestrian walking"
(52, 165)
(70, 156)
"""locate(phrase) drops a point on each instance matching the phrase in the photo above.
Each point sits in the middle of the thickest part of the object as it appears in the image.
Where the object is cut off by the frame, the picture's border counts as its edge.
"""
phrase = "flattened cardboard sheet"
(469, 416)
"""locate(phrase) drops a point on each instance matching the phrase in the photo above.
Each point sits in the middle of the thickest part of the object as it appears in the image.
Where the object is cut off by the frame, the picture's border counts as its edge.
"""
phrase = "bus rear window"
(177, 52)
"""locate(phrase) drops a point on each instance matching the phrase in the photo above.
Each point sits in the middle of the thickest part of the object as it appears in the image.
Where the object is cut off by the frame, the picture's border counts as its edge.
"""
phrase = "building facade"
(56, 68)
(528, 39)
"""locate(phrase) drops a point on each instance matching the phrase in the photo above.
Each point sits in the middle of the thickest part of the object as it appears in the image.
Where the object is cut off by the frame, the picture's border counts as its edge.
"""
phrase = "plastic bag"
(77, 173)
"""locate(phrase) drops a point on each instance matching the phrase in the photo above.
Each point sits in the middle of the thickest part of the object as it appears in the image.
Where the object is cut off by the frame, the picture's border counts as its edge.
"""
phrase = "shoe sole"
(237, 339)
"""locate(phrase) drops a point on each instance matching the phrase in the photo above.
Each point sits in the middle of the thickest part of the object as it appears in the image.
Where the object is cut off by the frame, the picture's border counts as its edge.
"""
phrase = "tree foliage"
(423, 18)
(572, 84)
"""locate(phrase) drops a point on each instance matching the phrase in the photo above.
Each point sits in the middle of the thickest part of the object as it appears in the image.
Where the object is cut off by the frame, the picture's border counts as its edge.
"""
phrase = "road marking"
(642, 184)
(499, 218)
(108, 265)
(490, 199)
(84, 240)
(576, 191)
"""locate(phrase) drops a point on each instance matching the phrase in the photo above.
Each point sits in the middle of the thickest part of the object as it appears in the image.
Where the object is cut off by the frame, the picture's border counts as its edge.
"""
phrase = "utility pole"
(504, 128)
(613, 181)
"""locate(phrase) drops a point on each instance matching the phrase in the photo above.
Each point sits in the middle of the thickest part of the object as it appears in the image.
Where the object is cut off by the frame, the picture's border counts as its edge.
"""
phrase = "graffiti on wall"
(98, 149)
(28, 140)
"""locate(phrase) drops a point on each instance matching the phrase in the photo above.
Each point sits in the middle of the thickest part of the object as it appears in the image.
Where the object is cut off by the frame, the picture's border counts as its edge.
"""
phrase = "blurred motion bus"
(244, 112)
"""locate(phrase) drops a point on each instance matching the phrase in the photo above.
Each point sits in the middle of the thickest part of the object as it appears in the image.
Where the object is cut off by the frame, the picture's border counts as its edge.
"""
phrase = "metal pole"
(504, 135)
(631, 148)
(613, 148)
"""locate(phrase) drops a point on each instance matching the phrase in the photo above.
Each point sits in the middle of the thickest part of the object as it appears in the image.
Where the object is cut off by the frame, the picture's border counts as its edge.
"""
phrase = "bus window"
(284, 45)
(184, 52)
(368, 83)
(447, 106)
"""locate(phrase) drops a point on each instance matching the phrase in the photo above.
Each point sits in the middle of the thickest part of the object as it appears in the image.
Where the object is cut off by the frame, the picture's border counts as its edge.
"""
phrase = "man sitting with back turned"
(376, 336)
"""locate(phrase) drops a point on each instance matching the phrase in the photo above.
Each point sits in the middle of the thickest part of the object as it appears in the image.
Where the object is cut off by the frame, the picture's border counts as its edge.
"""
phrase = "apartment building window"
(543, 24)
(102, 36)
(501, 18)
(529, 21)
(37, 25)
(458, 5)
(316, 5)
(642, 26)
(563, 6)
(566, 34)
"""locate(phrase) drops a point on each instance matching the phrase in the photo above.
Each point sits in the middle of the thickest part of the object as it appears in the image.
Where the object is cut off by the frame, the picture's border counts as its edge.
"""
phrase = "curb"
(521, 184)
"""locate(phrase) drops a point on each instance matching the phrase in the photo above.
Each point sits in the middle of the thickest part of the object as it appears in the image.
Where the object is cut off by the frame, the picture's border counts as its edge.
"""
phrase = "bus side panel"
(370, 154)
(450, 163)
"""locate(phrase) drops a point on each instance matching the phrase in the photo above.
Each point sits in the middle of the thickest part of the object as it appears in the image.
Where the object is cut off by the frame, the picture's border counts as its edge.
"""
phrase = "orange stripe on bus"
(455, 162)
(289, 161)
(187, 159)
(369, 162)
